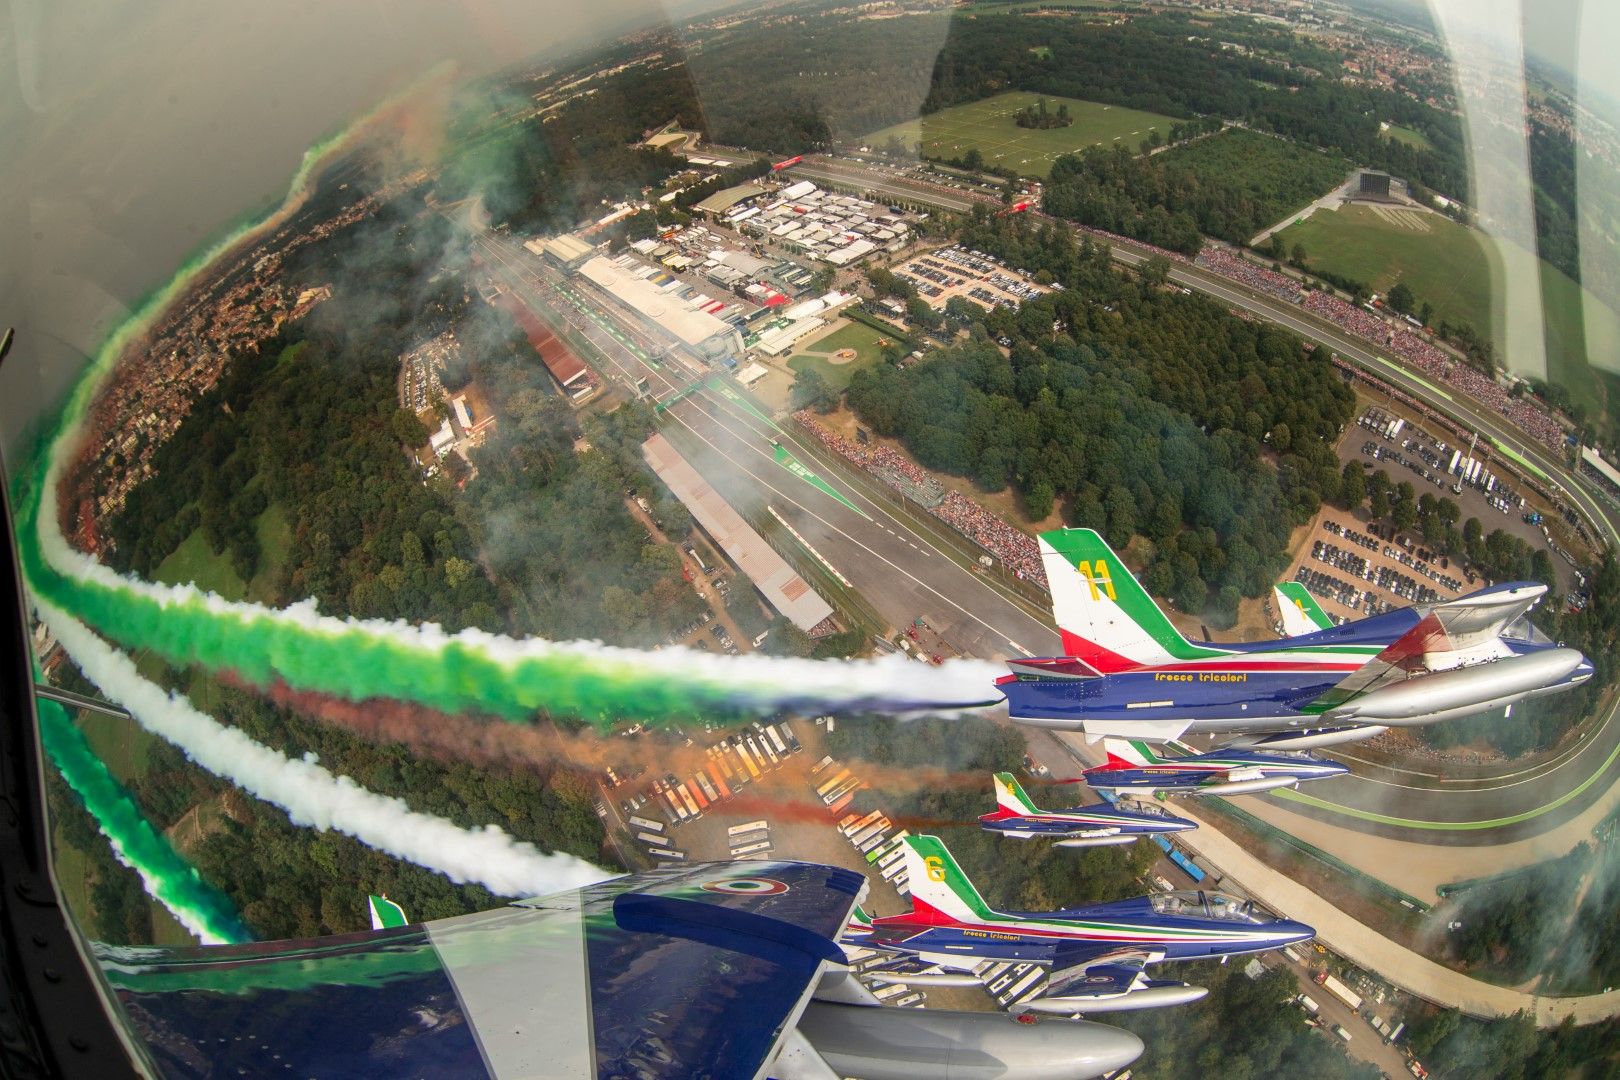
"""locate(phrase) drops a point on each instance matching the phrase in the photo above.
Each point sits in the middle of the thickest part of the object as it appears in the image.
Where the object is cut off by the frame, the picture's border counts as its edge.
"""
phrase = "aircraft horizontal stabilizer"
(1160, 731)
(1054, 667)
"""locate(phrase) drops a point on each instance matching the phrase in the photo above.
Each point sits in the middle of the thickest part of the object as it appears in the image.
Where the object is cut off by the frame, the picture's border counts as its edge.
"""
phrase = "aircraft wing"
(1299, 611)
(1467, 630)
(1149, 781)
(1097, 969)
(700, 970)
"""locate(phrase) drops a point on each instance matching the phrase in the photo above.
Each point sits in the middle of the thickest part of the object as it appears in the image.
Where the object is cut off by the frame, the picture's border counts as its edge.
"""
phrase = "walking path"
(1331, 201)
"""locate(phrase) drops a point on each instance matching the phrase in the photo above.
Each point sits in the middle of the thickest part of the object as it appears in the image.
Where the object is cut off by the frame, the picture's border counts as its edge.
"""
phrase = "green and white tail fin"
(1011, 798)
(385, 914)
(940, 892)
(1102, 612)
(1130, 753)
(1299, 611)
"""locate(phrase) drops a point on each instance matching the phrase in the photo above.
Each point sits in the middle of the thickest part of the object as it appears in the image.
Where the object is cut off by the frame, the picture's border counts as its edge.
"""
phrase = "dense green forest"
(1174, 64)
(1515, 927)
(1457, 1047)
(1552, 922)
(541, 543)
(1247, 1029)
(290, 880)
(1229, 185)
(1147, 413)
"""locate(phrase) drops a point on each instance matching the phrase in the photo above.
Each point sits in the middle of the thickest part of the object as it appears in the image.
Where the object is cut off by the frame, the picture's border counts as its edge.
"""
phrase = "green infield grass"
(1410, 136)
(818, 355)
(1446, 264)
(988, 126)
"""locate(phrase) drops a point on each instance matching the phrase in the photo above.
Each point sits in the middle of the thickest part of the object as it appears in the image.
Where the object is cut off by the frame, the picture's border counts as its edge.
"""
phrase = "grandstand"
(925, 492)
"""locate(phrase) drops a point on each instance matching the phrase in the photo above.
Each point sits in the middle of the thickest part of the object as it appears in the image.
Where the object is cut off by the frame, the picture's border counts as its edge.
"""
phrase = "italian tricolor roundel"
(747, 886)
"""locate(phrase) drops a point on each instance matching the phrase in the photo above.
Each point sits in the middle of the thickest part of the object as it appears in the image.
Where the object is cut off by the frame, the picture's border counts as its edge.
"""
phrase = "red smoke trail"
(448, 737)
(790, 810)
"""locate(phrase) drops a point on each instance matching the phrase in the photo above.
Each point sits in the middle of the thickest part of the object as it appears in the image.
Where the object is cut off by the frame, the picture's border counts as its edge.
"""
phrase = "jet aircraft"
(1095, 955)
(714, 969)
(1134, 768)
(1128, 672)
(1097, 825)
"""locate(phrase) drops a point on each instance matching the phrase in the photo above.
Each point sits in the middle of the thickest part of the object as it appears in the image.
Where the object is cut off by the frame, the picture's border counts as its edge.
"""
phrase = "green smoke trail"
(362, 660)
(468, 672)
(199, 907)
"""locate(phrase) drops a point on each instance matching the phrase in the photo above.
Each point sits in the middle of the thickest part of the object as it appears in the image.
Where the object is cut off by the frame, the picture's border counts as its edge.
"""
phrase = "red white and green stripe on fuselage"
(1017, 815)
(1133, 766)
(1125, 662)
(950, 922)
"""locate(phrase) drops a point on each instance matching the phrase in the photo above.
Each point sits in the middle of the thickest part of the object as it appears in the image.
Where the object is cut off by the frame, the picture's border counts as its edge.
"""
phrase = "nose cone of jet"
(1287, 932)
(1325, 769)
(1112, 1049)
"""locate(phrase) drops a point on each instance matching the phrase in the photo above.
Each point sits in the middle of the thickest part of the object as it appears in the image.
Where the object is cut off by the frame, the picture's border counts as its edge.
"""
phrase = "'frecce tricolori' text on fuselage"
(1128, 672)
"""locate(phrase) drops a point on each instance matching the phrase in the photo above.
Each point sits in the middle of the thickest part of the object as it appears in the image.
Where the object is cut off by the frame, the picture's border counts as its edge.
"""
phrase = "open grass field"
(1415, 139)
(818, 355)
(988, 126)
(123, 745)
(72, 877)
(193, 562)
(275, 537)
(1442, 262)
(1445, 264)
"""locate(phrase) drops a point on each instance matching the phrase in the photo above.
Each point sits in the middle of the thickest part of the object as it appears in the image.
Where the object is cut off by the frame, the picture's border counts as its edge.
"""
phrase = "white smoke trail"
(892, 683)
(314, 797)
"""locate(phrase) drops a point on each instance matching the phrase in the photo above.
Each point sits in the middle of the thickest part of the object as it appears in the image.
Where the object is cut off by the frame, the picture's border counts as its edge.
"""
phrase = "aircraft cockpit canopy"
(1198, 904)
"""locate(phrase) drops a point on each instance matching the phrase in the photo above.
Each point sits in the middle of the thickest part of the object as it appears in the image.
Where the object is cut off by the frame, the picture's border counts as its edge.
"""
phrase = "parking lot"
(1415, 455)
(954, 271)
(420, 369)
(1360, 569)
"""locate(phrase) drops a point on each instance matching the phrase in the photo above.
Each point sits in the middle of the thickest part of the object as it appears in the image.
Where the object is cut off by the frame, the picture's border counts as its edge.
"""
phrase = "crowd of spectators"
(1128, 242)
(1222, 262)
(1436, 363)
(1015, 548)
(1423, 355)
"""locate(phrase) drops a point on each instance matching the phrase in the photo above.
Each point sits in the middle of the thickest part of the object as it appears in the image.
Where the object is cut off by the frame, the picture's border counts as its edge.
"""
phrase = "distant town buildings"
(151, 392)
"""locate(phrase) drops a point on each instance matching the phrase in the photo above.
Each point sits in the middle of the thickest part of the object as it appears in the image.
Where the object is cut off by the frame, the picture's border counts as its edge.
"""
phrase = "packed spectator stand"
(1016, 549)
(1424, 356)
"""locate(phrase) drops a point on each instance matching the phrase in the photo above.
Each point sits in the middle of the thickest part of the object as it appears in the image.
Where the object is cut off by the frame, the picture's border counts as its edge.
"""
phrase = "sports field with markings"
(989, 127)
(1441, 261)
(1444, 263)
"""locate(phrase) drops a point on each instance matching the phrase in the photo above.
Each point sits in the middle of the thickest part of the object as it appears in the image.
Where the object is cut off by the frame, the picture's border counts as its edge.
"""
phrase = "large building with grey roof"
(778, 582)
(667, 303)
